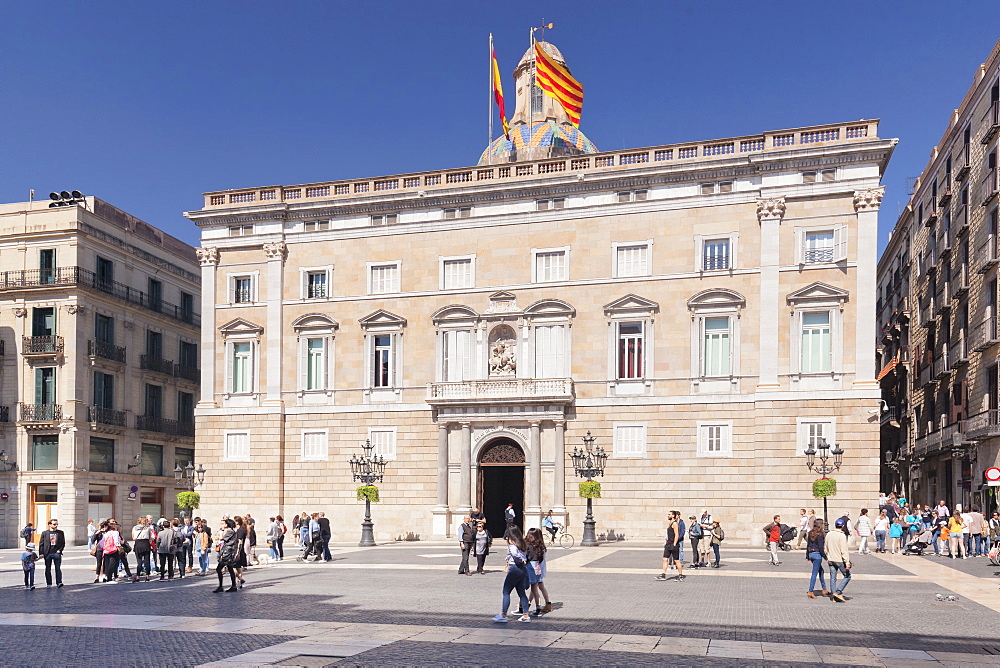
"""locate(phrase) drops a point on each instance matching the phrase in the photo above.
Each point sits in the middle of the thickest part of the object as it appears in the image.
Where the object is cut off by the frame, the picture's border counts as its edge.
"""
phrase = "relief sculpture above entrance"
(503, 351)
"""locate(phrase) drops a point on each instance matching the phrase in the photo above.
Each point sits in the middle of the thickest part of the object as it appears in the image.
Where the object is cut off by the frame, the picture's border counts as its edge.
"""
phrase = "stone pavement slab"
(735, 649)
(682, 646)
(796, 652)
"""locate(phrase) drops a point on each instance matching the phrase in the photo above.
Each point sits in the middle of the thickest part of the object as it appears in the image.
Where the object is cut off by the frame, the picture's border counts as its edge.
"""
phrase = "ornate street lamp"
(588, 463)
(824, 469)
(367, 469)
(187, 475)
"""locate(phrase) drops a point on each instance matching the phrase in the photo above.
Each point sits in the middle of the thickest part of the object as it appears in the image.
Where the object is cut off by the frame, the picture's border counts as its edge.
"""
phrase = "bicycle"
(562, 538)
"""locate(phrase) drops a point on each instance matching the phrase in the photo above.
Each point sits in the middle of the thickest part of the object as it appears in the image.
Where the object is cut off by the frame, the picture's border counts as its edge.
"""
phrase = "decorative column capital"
(771, 208)
(73, 309)
(275, 250)
(20, 312)
(207, 256)
(868, 200)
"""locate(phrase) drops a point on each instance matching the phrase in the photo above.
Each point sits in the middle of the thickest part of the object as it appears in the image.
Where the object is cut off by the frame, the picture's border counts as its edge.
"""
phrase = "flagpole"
(489, 105)
(531, 94)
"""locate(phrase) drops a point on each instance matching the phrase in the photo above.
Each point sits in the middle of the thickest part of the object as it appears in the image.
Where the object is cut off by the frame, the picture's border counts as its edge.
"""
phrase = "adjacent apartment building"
(937, 284)
(99, 336)
(704, 309)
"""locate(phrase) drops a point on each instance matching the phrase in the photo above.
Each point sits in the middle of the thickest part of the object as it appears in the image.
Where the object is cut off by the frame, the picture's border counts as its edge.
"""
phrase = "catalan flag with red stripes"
(498, 91)
(558, 83)
(888, 367)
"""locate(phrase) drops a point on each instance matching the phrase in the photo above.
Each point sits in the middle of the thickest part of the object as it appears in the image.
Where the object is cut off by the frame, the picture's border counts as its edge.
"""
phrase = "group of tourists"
(526, 568)
(705, 534)
(311, 531)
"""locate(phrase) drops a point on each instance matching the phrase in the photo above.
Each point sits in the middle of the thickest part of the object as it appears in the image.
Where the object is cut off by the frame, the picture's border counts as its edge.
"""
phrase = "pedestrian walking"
(202, 548)
(484, 541)
(91, 530)
(325, 533)
(28, 533)
(273, 531)
(28, 559)
(466, 540)
(816, 553)
(772, 532)
(536, 571)
(895, 535)
(804, 526)
(976, 525)
(51, 544)
(241, 562)
(97, 552)
(510, 517)
(111, 547)
(281, 536)
(838, 559)
(186, 554)
(516, 578)
(671, 549)
(881, 530)
(956, 543)
(864, 528)
(229, 554)
(718, 535)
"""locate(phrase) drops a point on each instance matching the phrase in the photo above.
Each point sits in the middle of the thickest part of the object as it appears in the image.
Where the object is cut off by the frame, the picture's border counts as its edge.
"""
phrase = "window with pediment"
(816, 330)
(383, 342)
(715, 318)
(630, 336)
(242, 355)
(315, 336)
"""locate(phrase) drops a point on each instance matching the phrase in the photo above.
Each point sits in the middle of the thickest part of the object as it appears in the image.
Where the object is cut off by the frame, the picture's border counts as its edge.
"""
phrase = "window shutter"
(800, 240)
(840, 243)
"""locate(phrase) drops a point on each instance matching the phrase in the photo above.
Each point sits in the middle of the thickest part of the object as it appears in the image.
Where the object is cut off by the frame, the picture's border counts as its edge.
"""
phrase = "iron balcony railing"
(925, 377)
(890, 415)
(158, 364)
(41, 345)
(815, 255)
(984, 425)
(164, 426)
(992, 122)
(188, 373)
(945, 196)
(108, 351)
(960, 283)
(941, 366)
(715, 262)
(985, 334)
(4, 413)
(962, 163)
(106, 416)
(944, 437)
(40, 412)
(989, 186)
(959, 351)
(35, 278)
(960, 220)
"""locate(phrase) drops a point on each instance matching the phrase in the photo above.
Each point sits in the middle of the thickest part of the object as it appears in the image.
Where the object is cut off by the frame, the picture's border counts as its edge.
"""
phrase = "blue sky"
(147, 105)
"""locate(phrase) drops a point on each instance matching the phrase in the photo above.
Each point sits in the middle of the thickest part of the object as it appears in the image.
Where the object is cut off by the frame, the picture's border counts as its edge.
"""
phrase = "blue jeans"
(202, 561)
(880, 540)
(273, 551)
(978, 540)
(326, 548)
(715, 549)
(817, 561)
(50, 559)
(937, 536)
(838, 567)
(986, 543)
(517, 578)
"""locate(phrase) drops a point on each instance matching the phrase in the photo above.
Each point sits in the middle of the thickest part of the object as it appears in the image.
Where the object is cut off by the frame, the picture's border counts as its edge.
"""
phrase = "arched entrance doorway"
(501, 481)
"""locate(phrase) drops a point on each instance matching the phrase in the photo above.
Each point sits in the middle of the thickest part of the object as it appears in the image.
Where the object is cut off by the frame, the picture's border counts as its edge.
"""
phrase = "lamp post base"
(589, 536)
(367, 536)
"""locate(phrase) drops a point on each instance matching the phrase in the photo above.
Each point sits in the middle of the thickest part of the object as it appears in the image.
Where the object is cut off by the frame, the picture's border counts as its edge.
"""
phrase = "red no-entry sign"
(993, 474)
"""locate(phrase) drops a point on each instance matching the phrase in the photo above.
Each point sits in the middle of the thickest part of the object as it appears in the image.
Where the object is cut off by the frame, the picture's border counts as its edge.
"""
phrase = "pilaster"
(866, 204)
(209, 259)
(275, 253)
(533, 513)
(769, 214)
(440, 524)
(465, 477)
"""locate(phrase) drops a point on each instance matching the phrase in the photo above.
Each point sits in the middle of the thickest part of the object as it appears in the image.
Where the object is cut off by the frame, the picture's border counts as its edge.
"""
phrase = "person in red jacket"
(773, 533)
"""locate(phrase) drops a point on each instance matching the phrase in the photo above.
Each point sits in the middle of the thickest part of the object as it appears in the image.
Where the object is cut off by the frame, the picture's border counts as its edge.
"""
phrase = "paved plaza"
(403, 603)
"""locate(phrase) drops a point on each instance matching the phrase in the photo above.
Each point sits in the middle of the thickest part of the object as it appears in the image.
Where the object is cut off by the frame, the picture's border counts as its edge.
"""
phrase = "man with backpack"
(28, 533)
(166, 548)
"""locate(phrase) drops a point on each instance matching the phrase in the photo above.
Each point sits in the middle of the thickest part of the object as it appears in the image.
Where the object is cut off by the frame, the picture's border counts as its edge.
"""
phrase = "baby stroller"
(920, 543)
(787, 536)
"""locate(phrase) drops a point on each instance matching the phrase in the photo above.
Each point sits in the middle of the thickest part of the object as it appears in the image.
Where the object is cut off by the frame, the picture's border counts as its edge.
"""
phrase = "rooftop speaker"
(77, 194)
(65, 195)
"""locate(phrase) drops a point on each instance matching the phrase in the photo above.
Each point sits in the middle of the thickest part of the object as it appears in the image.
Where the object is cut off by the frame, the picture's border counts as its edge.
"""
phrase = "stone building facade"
(99, 335)
(938, 310)
(703, 309)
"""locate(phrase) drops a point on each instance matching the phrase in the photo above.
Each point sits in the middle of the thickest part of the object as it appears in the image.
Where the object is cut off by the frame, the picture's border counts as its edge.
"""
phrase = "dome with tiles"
(544, 139)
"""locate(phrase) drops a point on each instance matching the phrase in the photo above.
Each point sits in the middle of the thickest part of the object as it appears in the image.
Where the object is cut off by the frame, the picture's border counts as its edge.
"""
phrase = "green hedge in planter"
(590, 489)
(188, 500)
(824, 487)
(368, 492)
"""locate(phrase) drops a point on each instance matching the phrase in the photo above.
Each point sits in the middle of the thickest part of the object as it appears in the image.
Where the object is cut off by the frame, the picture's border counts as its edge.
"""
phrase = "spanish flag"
(558, 83)
(498, 90)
